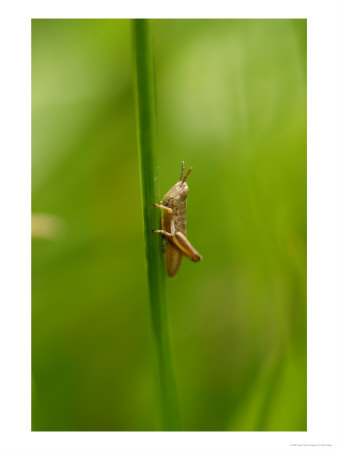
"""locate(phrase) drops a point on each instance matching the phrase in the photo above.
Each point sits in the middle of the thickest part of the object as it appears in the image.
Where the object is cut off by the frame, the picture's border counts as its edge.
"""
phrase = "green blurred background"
(231, 102)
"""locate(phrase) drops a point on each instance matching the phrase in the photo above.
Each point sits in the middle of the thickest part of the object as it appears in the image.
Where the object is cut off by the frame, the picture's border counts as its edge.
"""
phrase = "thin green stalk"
(145, 101)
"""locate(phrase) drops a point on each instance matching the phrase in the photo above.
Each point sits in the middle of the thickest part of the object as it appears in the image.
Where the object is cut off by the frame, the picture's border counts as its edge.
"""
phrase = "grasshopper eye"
(185, 190)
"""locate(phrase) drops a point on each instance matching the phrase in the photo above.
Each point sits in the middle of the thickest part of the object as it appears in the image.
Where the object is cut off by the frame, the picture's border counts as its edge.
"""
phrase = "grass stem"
(145, 101)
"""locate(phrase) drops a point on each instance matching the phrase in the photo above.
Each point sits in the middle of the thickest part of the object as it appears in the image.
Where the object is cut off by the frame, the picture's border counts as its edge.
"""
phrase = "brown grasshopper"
(174, 224)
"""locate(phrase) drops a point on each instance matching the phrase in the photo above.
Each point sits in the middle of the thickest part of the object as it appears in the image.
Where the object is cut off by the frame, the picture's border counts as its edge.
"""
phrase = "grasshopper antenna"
(182, 172)
(186, 175)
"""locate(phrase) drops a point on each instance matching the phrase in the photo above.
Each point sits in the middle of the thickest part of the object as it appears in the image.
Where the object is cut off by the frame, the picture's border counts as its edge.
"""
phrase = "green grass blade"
(145, 101)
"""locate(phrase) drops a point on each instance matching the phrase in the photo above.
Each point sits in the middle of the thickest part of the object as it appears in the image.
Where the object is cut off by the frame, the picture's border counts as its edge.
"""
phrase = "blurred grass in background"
(231, 102)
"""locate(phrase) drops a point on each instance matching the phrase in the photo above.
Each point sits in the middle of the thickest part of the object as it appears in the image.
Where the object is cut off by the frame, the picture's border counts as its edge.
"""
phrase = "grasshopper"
(174, 225)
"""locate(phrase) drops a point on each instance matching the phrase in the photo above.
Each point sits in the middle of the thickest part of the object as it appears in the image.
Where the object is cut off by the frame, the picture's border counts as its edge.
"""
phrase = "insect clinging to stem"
(174, 225)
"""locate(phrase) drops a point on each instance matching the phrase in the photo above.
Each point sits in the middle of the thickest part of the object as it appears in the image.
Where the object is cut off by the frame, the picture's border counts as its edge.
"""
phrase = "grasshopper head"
(179, 191)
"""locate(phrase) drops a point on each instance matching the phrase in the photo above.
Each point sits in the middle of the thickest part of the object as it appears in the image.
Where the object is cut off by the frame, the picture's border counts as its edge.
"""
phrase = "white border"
(15, 219)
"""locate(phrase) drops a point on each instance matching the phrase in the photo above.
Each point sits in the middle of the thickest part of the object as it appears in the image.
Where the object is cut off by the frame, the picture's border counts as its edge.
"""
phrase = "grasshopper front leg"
(164, 208)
